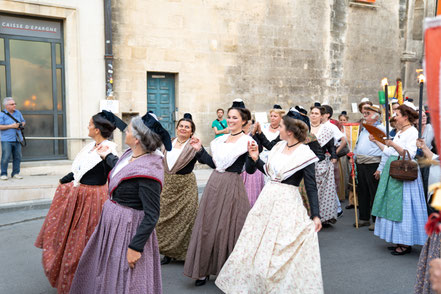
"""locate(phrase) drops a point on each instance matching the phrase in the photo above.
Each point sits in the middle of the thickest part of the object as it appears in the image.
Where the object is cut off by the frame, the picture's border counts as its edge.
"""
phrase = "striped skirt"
(253, 185)
(222, 213)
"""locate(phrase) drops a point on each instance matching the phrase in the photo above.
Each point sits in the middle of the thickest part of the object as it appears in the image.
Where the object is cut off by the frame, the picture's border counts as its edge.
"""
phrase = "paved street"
(353, 261)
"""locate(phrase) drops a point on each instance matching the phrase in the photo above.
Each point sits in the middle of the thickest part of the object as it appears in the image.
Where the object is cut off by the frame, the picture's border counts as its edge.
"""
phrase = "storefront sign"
(29, 27)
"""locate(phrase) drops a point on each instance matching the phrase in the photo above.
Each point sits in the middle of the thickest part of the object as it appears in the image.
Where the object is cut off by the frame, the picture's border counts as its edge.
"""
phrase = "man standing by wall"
(368, 157)
(219, 125)
(10, 129)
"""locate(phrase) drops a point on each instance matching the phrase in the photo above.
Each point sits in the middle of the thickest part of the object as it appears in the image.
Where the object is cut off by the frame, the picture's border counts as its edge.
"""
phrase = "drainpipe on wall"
(108, 55)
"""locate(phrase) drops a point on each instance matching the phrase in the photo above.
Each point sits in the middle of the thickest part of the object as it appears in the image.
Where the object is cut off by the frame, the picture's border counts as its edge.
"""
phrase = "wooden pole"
(387, 110)
(354, 191)
(420, 111)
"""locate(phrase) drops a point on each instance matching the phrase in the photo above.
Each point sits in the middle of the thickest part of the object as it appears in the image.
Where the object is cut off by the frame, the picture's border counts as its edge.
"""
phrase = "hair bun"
(188, 115)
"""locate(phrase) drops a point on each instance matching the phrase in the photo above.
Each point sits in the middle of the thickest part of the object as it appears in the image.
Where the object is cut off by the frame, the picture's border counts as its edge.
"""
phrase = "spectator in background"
(11, 120)
(368, 157)
(428, 136)
(219, 125)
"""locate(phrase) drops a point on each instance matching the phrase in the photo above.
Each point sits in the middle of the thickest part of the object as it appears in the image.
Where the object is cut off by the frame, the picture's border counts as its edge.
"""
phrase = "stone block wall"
(265, 52)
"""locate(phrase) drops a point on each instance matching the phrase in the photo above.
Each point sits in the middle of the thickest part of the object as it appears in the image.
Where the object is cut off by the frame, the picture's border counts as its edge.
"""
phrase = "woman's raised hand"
(253, 150)
(421, 144)
(196, 143)
(103, 151)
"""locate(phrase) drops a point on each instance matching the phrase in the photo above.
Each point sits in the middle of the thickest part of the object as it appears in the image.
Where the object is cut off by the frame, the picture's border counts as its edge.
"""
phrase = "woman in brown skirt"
(77, 204)
(224, 205)
(179, 197)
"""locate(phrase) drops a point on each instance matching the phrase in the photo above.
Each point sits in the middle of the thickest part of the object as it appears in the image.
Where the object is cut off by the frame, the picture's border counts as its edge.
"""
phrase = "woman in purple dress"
(122, 255)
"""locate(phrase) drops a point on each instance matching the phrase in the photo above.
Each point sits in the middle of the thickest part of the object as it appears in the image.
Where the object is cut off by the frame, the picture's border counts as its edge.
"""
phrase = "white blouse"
(269, 135)
(173, 155)
(406, 140)
(120, 166)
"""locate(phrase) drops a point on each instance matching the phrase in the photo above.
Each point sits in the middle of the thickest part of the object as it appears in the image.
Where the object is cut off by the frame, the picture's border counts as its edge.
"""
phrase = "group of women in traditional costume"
(256, 238)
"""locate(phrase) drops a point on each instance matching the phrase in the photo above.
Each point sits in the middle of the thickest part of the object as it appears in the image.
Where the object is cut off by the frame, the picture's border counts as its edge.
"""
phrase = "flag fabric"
(432, 40)
(351, 131)
(399, 92)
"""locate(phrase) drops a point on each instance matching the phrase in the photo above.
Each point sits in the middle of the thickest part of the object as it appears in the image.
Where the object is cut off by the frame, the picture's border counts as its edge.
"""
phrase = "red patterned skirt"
(71, 220)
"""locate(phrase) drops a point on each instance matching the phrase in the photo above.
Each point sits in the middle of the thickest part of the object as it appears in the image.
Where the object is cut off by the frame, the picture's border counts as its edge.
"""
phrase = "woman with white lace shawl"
(278, 250)
(77, 204)
(224, 205)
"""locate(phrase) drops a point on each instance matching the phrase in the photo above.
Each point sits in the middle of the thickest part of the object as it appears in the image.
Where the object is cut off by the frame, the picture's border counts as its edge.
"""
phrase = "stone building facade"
(265, 52)
(211, 52)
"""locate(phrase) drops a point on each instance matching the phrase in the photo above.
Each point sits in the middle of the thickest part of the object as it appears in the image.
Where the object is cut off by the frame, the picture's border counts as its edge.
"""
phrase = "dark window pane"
(59, 90)
(2, 82)
(61, 143)
(39, 126)
(58, 53)
(31, 74)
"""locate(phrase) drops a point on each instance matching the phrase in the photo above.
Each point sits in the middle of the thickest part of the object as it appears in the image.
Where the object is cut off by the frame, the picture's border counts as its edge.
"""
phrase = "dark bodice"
(188, 168)
(141, 194)
(330, 148)
(97, 176)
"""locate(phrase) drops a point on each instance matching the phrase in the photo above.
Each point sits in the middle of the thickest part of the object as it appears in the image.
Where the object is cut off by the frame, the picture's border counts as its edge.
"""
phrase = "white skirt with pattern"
(277, 250)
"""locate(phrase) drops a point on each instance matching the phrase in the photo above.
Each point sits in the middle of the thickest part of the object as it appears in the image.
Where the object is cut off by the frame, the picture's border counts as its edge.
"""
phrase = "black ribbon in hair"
(188, 116)
(238, 104)
(277, 106)
(113, 119)
(293, 113)
(156, 127)
(301, 110)
(317, 104)
(344, 112)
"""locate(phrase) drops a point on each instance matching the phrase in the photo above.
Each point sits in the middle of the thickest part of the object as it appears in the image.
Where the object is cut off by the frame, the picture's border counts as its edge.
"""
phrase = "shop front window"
(32, 72)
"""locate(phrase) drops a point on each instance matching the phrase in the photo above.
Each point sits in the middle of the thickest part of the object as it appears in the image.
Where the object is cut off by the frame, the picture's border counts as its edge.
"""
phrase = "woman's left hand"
(317, 223)
(389, 143)
(103, 151)
(132, 257)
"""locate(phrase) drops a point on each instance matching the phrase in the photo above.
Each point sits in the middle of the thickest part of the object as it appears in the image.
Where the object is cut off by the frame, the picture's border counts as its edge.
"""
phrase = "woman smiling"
(179, 197)
(224, 205)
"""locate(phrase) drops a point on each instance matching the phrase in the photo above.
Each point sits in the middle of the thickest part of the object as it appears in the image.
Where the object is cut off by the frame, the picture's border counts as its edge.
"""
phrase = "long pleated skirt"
(253, 185)
(222, 213)
(103, 267)
(430, 251)
(410, 231)
(278, 249)
(324, 176)
(179, 207)
(71, 220)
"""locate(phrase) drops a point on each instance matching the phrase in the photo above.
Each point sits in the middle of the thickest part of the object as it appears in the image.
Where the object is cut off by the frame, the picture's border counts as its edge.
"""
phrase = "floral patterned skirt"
(430, 251)
(277, 250)
(71, 220)
(179, 207)
(324, 176)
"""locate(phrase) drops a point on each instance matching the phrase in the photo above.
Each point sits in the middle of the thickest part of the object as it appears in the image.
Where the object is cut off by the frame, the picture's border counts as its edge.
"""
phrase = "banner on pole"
(351, 131)
(432, 40)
